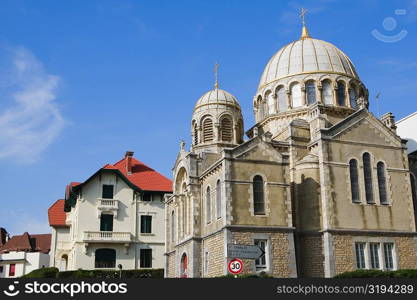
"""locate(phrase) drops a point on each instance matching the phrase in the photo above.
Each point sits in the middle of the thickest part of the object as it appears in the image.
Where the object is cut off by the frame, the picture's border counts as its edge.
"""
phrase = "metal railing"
(107, 236)
(108, 203)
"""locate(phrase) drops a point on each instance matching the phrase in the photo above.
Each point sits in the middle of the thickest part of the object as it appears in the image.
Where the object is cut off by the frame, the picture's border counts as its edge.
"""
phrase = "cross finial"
(216, 75)
(302, 15)
(304, 32)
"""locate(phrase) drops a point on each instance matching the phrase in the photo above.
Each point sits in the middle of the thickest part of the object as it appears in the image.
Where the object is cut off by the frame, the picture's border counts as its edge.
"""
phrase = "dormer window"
(108, 190)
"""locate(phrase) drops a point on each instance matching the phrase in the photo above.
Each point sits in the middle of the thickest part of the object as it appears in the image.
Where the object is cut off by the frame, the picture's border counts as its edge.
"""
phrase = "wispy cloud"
(398, 65)
(30, 118)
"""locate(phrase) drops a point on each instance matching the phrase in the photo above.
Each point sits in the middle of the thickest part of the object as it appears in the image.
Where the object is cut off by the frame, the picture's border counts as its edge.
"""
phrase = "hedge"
(54, 273)
(42, 273)
(406, 273)
(260, 275)
(142, 273)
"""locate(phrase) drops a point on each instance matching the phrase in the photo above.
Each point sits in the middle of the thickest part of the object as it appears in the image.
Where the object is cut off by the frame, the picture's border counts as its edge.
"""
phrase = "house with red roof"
(21, 254)
(114, 218)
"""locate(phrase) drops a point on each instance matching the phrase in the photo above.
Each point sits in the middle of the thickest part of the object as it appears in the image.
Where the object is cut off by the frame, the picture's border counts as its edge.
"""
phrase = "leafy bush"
(143, 273)
(42, 273)
(260, 275)
(406, 273)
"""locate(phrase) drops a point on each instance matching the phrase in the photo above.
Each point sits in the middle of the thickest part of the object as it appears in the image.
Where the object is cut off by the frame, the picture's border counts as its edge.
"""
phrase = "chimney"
(128, 157)
(3, 236)
(389, 120)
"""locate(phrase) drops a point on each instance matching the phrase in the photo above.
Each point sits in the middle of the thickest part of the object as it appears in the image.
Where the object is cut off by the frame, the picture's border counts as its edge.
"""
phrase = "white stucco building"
(406, 128)
(24, 253)
(114, 217)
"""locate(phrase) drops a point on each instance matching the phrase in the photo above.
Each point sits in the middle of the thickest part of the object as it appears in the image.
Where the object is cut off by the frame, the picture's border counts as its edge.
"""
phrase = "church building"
(321, 184)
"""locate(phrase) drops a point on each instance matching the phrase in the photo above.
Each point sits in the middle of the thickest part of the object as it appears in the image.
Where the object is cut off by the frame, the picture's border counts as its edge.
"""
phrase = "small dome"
(217, 97)
(217, 121)
(305, 56)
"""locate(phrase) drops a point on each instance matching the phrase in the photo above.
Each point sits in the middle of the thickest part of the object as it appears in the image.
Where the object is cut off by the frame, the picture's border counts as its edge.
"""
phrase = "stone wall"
(311, 256)
(281, 259)
(345, 257)
(170, 272)
(214, 246)
(407, 252)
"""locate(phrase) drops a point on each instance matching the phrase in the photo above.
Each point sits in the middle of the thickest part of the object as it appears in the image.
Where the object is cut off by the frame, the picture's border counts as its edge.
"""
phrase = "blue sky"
(83, 81)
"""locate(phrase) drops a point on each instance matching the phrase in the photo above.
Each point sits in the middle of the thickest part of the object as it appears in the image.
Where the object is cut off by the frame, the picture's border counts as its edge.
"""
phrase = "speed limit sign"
(235, 266)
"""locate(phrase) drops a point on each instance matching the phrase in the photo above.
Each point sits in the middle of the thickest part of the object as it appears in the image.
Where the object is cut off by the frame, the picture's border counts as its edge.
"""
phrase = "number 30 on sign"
(235, 266)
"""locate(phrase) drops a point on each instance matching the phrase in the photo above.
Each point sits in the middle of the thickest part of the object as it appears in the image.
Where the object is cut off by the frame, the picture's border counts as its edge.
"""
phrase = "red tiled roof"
(28, 243)
(56, 214)
(144, 177)
(41, 242)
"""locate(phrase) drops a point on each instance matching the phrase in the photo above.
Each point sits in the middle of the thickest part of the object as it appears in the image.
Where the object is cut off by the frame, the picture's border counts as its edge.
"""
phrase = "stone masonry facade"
(279, 254)
(214, 264)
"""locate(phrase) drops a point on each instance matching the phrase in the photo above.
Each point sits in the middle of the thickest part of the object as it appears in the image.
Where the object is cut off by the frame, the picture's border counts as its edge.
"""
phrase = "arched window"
(327, 92)
(258, 196)
(341, 93)
(195, 132)
(105, 258)
(311, 92)
(414, 192)
(353, 97)
(208, 205)
(172, 226)
(296, 95)
(382, 183)
(208, 133)
(184, 266)
(219, 199)
(226, 129)
(354, 180)
(64, 263)
(282, 99)
(367, 172)
(261, 112)
(184, 215)
(271, 103)
(240, 131)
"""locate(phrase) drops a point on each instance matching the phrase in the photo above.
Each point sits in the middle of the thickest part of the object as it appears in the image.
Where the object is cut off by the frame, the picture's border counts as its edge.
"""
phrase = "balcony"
(107, 237)
(108, 205)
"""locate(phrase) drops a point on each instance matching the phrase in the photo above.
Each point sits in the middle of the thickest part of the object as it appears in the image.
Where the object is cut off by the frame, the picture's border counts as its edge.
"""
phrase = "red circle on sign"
(235, 266)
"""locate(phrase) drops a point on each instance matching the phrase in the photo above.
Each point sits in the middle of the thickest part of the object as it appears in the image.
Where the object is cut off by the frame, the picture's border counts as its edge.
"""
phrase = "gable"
(362, 127)
(257, 149)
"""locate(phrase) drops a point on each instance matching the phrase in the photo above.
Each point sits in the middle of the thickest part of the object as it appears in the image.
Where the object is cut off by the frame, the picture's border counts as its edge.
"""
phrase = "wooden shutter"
(208, 133)
(226, 130)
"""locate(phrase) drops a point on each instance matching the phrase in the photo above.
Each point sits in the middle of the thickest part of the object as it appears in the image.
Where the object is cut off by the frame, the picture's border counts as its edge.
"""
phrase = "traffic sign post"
(244, 251)
(235, 266)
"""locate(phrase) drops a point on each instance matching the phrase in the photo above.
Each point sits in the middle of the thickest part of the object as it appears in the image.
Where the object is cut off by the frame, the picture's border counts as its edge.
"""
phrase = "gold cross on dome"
(216, 75)
(302, 15)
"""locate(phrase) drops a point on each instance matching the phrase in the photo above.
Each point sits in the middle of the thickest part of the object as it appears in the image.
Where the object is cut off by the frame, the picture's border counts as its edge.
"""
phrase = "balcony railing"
(107, 237)
(107, 205)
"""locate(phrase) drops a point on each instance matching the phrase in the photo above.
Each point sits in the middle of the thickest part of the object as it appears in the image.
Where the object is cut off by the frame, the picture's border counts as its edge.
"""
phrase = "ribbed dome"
(306, 56)
(217, 96)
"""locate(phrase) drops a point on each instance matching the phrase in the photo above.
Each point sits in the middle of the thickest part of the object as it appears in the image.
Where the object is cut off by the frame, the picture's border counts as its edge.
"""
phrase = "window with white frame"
(388, 256)
(261, 262)
(360, 255)
(375, 255)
